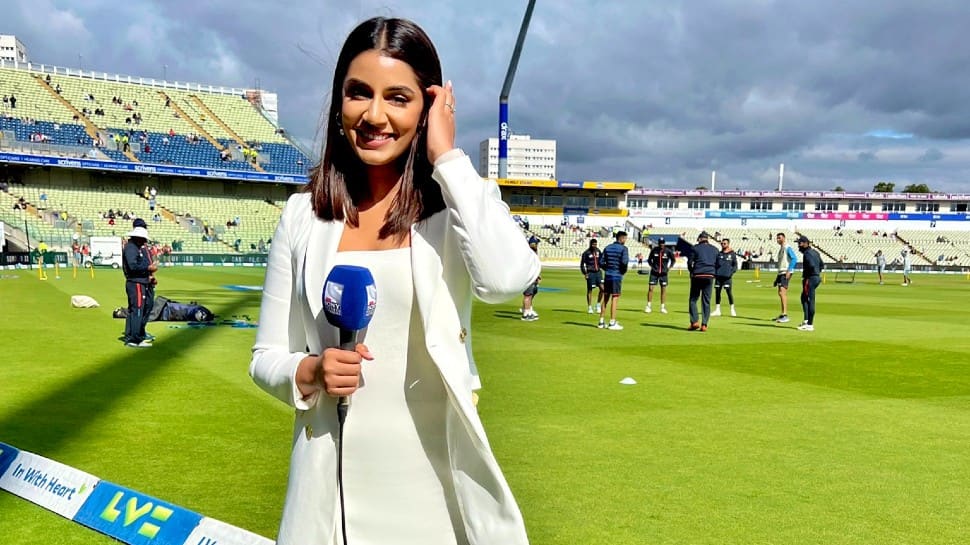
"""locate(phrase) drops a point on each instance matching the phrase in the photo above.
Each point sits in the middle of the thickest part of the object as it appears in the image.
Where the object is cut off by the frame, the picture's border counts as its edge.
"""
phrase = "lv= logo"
(134, 512)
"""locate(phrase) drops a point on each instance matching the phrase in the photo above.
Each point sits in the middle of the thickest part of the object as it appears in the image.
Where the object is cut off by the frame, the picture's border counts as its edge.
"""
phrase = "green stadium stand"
(32, 100)
(67, 211)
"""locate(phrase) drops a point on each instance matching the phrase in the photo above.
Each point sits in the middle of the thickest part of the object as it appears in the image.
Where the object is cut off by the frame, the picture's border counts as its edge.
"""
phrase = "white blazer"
(471, 247)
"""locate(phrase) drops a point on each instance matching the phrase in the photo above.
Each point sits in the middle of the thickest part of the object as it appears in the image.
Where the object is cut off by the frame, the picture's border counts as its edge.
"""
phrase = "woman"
(392, 194)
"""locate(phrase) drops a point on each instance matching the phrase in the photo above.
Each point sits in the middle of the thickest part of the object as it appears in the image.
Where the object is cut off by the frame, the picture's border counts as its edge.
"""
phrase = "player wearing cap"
(727, 265)
(590, 265)
(139, 276)
(701, 265)
(787, 259)
(812, 267)
(660, 260)
(150, 249)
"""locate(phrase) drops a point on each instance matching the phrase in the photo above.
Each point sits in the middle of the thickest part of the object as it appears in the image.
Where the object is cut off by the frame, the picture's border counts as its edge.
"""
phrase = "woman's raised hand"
(441, 121)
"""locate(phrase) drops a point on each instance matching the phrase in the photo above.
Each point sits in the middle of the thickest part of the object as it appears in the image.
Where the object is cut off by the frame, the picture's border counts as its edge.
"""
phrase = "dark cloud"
(931, 155)
(660, 94)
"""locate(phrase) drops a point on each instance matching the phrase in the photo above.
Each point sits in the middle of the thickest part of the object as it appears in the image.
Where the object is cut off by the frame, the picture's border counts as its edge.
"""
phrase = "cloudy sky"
(845, 93)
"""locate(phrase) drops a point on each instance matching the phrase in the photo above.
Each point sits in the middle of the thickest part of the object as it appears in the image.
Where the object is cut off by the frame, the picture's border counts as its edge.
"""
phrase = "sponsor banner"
(929, 216)
(49, 484)
(537, 211)
(136, 518)
(214, 532)
(145, 168)
(7, 455)
(664, 213)
(503, 130)
(752, 214)
(574, 211)
(570, 185)
(845, 215)
(806, 194)
(526, 182)
(702, 192)
(123, 514)
(622, 186)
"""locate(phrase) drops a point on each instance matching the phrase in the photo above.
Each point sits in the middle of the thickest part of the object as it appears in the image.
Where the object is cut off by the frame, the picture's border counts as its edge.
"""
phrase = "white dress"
(397, 477)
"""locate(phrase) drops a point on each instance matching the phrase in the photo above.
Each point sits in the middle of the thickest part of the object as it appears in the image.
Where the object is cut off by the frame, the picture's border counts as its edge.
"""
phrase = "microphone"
(349, 301)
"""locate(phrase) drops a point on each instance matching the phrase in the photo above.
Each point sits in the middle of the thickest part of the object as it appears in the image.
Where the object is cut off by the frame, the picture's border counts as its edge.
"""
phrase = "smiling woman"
(391, 194)
(382, 108)
(388, 79)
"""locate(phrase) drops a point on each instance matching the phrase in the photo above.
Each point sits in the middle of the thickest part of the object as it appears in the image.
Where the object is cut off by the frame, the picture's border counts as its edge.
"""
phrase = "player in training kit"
(907, 267)
(660, 260)
(589, 265)
(880, 264)
(812, 267)
(727, 265)
(616, 258)
(528, 311)
(787, 259)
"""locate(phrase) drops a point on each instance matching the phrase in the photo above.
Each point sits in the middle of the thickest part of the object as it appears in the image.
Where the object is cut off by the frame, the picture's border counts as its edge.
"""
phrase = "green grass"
(750, 433)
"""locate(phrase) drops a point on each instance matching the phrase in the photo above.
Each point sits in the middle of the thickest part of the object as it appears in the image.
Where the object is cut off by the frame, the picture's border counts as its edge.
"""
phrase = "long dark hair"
(338, 182)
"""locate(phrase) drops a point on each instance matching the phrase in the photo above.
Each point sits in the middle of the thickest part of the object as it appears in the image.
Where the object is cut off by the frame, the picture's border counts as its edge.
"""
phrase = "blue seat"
(283, 158)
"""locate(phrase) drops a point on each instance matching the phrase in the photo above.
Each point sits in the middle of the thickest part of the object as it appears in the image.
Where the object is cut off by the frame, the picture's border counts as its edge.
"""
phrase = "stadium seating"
(257, 218)
(283, 158)
(65, 212)
(952, 246)
(39, 229)
(33, 101)
(140, 99)
(180, 151)
(242, 117)
(230, 121)
(849, 247)
(54, 133)
(760, 242)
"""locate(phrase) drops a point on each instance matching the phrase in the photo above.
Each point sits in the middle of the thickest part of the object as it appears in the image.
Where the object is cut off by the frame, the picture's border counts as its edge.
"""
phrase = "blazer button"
(309, 432)
(461, 335)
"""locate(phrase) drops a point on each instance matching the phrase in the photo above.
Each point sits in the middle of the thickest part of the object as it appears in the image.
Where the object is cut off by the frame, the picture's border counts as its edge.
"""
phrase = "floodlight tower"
(503, 99)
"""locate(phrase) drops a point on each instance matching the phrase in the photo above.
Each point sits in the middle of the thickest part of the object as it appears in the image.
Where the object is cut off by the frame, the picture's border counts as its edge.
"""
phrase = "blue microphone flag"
(349, 297)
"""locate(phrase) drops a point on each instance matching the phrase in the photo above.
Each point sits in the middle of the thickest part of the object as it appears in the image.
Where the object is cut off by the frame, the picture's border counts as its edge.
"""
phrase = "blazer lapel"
(426, 270)
(321, 249)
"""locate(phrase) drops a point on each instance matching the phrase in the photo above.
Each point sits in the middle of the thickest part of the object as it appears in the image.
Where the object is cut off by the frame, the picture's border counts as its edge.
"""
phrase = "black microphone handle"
(348, 341)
